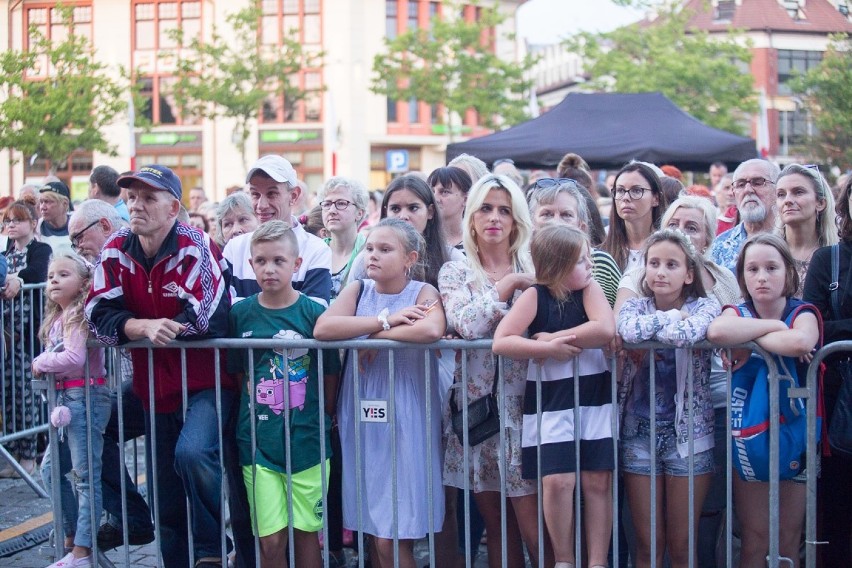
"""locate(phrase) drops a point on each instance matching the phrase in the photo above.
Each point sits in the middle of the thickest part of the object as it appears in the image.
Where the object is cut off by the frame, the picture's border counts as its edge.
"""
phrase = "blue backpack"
(750, 410)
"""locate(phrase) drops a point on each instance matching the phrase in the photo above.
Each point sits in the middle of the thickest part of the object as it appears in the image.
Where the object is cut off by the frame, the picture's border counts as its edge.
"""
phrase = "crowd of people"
(560, 272)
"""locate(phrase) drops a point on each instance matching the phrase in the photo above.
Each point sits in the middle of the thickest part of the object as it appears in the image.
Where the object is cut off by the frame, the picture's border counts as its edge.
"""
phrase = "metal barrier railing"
(24, 415)
(363, 469)
(811, 539)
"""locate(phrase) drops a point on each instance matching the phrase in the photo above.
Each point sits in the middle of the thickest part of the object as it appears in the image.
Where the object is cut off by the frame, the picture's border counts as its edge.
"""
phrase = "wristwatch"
(383, 319)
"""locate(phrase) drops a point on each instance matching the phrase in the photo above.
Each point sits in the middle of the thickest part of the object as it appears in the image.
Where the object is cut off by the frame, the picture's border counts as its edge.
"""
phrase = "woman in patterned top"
(27, 260)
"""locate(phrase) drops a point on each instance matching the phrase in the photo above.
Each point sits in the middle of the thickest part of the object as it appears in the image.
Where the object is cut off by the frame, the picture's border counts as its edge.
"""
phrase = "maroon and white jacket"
(188, 282)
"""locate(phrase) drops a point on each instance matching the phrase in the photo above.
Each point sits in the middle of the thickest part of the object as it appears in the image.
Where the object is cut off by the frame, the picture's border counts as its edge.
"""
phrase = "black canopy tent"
(608, 130)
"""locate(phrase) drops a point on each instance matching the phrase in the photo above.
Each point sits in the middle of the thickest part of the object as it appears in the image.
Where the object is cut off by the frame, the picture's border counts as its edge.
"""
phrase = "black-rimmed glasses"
(339, 204)
(75, 238)
(635, 192)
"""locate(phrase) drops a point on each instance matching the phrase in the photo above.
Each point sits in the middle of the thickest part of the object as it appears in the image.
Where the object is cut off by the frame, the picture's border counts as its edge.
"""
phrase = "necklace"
(498, 273)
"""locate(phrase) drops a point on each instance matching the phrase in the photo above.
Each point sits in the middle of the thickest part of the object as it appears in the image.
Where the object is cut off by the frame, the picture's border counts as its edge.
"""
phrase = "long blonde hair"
(72, 317)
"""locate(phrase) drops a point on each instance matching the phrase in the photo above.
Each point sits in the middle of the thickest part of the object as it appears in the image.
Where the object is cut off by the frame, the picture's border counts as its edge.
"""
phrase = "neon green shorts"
(269, 491)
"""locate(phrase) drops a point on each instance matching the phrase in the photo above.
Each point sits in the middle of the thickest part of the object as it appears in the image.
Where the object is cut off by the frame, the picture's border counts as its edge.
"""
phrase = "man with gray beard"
(754, 191)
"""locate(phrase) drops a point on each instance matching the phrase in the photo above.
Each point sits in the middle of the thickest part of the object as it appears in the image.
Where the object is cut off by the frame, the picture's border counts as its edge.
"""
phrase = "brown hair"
(555, 250)
(844, 221)
(20, 211)
(616, 239)
(694, 289)
(791, 278)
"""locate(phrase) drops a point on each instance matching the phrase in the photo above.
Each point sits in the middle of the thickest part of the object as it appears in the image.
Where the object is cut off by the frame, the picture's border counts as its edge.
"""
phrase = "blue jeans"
(187, 452)
(133, 419)
(73, 458)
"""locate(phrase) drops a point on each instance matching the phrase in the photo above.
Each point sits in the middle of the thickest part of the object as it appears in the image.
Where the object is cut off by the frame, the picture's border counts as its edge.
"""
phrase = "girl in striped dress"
(563, 317)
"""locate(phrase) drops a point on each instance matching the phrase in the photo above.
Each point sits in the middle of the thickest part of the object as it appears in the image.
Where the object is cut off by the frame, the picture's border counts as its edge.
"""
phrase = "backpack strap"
(742, 310)
(806, 307)
(835, 281)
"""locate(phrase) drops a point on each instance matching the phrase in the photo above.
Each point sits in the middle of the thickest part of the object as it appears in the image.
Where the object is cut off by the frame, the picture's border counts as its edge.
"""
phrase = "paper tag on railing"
(374, 411)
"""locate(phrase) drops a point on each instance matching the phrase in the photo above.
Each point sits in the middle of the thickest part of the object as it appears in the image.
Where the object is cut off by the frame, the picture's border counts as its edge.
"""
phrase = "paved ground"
(25, 520)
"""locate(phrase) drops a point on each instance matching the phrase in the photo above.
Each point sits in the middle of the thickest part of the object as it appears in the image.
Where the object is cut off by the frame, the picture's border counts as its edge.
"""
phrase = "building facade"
(340, 128)
(786, 37)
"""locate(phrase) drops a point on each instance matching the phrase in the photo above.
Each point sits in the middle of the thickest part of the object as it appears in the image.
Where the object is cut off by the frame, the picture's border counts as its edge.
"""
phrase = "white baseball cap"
(275, 167)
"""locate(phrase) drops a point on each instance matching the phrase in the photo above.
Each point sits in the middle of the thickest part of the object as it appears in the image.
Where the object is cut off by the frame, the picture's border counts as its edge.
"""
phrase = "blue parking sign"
(396, 161)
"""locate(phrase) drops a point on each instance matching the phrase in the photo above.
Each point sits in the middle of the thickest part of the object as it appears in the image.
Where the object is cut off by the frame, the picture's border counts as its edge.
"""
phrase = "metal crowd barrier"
(811, 541)
(618, 555)
(24, 413)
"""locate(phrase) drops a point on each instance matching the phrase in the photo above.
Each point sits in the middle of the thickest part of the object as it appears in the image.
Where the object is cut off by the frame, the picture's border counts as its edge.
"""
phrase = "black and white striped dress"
(558, 431)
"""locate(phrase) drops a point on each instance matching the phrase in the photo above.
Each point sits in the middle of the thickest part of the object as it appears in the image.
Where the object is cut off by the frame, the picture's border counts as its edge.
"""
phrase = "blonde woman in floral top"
(477, 293)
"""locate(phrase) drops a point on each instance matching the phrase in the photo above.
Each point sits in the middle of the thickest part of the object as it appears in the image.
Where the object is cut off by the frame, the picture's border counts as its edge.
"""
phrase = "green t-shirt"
(271, 374)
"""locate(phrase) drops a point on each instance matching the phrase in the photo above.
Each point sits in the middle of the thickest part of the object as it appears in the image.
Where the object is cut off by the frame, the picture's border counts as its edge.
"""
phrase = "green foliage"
(56, 98)
(454, 65)
(825, 90)
(231, 77)
(705, 76)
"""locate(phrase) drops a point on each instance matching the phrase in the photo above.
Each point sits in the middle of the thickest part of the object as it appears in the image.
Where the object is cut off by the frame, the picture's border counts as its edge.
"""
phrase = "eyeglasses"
(541, 183)
(755, 182)
(75, 238)
(339, 204)
(11, 222)
(634, 192)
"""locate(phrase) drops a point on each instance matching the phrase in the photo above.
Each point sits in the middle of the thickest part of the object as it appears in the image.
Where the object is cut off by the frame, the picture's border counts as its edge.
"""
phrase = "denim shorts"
(636, 456)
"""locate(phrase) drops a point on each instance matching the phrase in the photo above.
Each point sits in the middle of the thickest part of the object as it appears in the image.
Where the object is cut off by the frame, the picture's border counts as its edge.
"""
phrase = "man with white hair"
(754, 191)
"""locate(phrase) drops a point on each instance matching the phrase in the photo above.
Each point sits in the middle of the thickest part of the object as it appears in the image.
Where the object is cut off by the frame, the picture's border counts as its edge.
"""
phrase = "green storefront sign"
(289, 136)
(167, 138)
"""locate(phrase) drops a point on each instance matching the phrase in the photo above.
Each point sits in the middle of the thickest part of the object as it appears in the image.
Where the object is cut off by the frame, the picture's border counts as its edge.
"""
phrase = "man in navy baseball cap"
(155, 176)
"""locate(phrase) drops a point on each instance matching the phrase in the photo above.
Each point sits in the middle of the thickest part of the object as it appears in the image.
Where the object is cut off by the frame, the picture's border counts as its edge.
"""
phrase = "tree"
(232, 77)
(56, 98)
(453, 64)
(825, 90)
(705, 76)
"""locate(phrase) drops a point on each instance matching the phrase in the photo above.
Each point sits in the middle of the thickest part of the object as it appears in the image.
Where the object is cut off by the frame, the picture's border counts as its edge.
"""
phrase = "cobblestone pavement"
(23, 514)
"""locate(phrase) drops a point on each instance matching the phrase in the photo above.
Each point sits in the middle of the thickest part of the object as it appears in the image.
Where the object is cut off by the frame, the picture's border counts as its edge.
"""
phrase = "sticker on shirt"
(288, 366)
(374, 411)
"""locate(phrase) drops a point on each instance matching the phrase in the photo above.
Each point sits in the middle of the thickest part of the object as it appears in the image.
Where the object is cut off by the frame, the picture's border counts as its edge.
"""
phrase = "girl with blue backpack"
(789, 329)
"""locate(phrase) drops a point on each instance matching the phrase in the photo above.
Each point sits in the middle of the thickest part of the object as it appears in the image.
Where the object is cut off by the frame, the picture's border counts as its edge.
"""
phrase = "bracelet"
(383, 319)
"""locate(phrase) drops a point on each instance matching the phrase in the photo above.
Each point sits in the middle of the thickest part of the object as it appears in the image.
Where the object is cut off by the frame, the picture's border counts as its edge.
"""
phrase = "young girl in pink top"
(68, 281)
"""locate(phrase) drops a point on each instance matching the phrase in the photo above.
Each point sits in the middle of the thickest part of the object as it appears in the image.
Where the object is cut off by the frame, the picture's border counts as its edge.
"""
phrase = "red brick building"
(787, 36)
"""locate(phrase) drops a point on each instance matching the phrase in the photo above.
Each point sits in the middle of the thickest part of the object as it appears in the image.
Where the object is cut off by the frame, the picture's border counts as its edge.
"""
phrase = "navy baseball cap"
(58, 188)
(156, 177)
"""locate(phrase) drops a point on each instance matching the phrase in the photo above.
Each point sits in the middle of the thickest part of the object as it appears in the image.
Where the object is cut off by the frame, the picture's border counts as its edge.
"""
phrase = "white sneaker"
(68, 561)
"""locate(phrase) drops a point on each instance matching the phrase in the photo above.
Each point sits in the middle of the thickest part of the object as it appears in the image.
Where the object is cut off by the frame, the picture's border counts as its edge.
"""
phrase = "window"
(409, 15)
(301, 21)
(154, 25)
(80, 163)
(390, 18)
(797, 127)
(724, 10)
(792, 63)
(47, 21)
(413, 9)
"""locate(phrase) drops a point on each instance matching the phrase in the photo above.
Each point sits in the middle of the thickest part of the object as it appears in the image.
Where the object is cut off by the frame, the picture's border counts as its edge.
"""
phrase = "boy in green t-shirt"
(282, 376)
